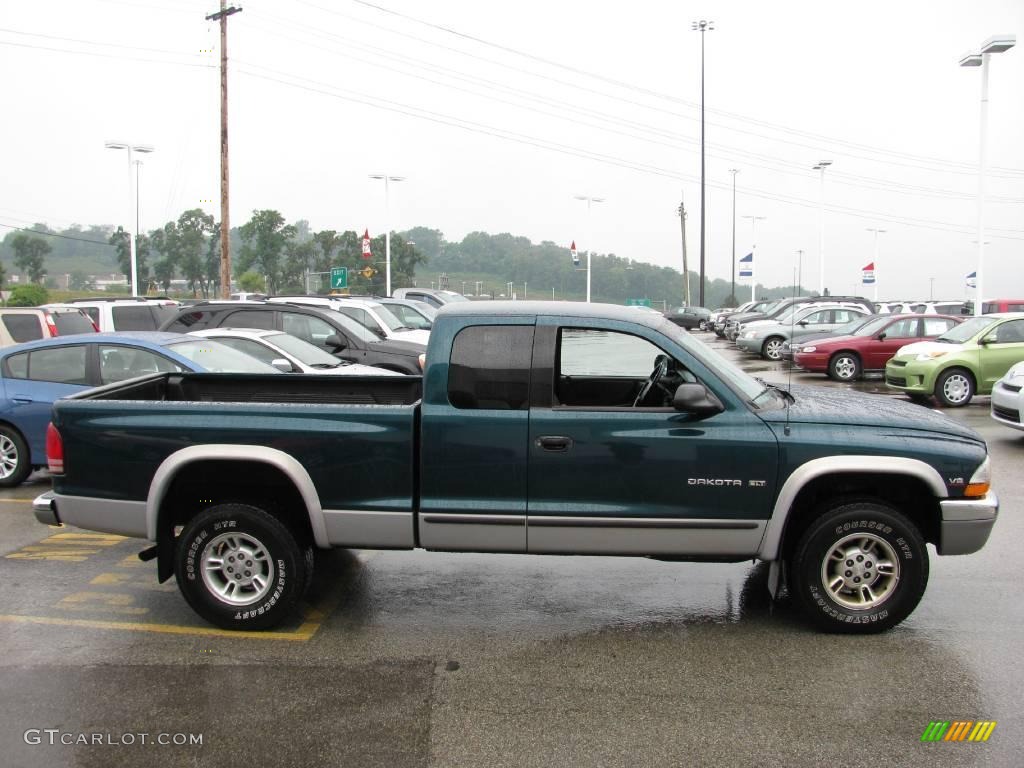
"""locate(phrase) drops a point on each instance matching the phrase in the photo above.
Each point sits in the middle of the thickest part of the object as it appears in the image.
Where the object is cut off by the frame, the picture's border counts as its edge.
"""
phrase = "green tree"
(212, 260)
(28, 296)
(264, 239)
(251, 282)
(327, 242)
(298, 259)
(80, 281)
(30, 252)
(119, 239)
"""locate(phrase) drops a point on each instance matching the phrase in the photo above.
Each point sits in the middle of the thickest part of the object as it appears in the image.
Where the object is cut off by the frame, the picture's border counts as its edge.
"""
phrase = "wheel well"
(908, 494)
(851, 352)
(203, 484)
(961, 369)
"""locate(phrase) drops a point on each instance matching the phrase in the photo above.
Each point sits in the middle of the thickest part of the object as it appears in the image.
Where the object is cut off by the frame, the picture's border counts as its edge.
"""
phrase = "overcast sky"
(499, 113)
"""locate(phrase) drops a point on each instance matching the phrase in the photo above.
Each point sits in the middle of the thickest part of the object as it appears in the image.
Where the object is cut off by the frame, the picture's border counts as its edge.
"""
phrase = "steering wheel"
(661, 365)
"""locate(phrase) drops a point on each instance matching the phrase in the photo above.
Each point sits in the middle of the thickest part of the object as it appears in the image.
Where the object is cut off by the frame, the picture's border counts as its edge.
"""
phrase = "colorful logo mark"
(958, 730)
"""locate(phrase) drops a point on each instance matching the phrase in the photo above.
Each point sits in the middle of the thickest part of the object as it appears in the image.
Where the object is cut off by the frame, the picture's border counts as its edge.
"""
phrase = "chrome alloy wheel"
(773, 349)
(8, 457)
(861, 571)
(845, 368)
(237, 569)
(956, 388)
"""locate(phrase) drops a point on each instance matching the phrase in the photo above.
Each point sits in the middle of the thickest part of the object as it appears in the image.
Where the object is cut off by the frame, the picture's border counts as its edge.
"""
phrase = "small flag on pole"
(747, 266)
(366, 245)
(972, 280)
(868, 274)
(575, 256)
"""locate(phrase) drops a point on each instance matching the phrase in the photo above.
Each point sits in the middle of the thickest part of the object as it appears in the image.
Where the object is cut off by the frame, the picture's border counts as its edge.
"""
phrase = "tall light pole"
(821, 226)
(875, 259)
(387, 226)
(590, 200)
(753, 249)
(133, 203)
(733, 171)
(995, 44)
(702, 26)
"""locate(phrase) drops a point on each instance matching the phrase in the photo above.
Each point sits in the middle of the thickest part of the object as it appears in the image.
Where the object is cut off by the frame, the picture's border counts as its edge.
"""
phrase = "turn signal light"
(422, 360)
(980, 481)
(977, 489)
(54, 450)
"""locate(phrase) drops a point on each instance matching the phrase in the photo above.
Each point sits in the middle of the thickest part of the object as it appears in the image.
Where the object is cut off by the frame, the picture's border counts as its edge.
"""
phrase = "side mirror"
(802, 323)
(282, 365)
(335, 342)
(990, 339)
(380, 333)
(696, 399)
(881, 336)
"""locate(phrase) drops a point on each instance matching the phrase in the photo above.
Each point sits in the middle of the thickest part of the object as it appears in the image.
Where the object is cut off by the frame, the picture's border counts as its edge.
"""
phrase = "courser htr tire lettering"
(860, 567)
(239, 567)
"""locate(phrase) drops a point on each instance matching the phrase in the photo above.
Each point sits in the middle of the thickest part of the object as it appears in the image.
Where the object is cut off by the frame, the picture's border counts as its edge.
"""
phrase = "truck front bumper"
(966, 524)
(45, 509)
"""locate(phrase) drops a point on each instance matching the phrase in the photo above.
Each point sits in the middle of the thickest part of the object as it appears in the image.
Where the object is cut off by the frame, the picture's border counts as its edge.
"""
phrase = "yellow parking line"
(303, 633)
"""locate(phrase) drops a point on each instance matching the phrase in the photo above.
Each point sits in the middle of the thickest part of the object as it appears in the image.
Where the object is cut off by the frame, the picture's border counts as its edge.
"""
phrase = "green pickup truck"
(537, 427)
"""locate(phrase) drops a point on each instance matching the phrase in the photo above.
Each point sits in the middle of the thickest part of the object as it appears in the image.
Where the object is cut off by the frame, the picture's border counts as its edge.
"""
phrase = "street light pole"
(821, 226)
(702, 26)
(590, 249)
(387, 227)
(132, 193)
(995, 44)
(732, 293)
(875, 259)
(753, 250)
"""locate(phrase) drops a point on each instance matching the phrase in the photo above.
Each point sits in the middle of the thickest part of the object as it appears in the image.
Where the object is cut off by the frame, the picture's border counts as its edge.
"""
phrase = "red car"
(869, 348)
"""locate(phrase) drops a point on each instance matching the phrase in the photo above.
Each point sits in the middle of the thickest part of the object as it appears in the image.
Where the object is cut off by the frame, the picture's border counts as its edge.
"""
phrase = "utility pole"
(702, 26)
(799, 270)
(681, 212)
(225, 224)
(733, 171)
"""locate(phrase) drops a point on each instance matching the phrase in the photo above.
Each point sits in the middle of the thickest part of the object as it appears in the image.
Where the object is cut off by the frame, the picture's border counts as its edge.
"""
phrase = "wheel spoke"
(836, 584)
(867, 596)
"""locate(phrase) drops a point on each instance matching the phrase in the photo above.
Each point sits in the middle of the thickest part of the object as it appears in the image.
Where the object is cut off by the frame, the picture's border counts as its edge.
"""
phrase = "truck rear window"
(490, 367)
(72, 322)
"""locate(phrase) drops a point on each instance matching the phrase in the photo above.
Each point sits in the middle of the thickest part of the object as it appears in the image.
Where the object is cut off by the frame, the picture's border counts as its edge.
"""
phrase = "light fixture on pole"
(702, 26)
(875, 260)
(733, 171)
(590, 250)
(387, 227)
(753, 248)
(995, 44)
(132, 193)
(821, 226)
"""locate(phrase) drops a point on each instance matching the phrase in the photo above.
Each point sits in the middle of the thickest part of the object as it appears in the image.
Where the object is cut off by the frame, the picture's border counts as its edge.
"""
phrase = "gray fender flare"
(255, 454)
(838, 465)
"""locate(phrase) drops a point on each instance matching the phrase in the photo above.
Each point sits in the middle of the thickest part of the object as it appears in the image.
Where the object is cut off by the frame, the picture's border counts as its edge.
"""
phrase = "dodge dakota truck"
(541, 428)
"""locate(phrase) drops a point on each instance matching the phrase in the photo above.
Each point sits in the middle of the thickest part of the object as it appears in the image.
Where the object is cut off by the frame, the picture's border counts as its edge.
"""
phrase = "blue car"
(34, 374)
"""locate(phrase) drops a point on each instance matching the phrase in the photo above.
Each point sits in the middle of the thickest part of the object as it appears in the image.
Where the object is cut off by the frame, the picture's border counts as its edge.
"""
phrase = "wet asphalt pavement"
(415, 659)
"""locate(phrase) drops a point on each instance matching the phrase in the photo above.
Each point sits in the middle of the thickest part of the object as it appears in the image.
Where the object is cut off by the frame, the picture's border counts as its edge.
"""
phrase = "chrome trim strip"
(437, 517)
(984, 508)
(536, 521)
(256, 453)
(127, 518)
(828, 465)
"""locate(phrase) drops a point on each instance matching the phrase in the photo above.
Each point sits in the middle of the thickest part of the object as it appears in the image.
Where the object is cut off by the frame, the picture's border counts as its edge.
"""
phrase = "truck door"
(610, 476)
(475, 426)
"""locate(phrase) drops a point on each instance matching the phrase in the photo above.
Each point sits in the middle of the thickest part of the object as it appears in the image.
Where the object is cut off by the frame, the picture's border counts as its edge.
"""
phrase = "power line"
(105, 55)
(54, 234)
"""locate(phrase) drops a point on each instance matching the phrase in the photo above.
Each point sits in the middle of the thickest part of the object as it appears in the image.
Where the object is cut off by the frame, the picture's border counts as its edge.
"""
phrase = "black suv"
(340, 335)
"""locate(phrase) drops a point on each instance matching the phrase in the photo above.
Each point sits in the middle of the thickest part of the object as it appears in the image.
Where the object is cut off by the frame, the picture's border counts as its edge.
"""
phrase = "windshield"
(217, 358)
(872, 327)
(729, 371)
(302, 350)
(451, 296)
(353, 327)
(853, 325)
(388, 318)
(966, 330)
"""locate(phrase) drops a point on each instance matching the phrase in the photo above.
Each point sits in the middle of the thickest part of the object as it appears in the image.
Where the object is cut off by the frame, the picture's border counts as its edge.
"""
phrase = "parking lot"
(412, 658)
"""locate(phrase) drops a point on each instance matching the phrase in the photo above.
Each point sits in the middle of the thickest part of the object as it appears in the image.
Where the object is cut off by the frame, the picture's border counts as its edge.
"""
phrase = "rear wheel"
(844, 366)
(772, 348)
(15, 462)
(954, 388)
(861, 567)
(239, 567)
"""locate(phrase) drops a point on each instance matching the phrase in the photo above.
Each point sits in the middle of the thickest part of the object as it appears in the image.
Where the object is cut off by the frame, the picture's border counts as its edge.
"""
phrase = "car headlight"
(932, 355)
(749, 334)
(804, 349)
(980, 481)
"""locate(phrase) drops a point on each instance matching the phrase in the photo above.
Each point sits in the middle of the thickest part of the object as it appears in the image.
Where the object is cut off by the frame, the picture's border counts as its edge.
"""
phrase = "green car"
(963, 362)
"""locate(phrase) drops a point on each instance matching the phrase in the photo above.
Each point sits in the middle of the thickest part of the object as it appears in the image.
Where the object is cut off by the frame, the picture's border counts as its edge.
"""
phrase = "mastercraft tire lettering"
(239, 567)
(860, 567)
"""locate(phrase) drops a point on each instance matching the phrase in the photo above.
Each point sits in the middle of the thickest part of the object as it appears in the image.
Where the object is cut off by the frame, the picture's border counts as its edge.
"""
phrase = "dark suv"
(340, 335)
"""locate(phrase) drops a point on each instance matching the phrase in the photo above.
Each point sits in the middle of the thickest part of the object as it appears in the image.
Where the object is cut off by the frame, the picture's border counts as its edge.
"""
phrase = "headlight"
(932, 355)
(980, 480)
(804, 349)
(749, 334)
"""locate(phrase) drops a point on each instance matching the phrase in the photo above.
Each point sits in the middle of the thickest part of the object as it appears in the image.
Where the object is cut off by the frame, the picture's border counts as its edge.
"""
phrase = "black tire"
(243, 531)
(772, 348)
(861, 599)
(954, 388)
(844, 366)
(15, 461)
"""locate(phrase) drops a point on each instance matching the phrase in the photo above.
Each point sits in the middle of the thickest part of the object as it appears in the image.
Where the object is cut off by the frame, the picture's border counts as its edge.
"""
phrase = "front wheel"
(772, 349)
(844, 367)
(862, 567)
(239, 567)
(954, 388)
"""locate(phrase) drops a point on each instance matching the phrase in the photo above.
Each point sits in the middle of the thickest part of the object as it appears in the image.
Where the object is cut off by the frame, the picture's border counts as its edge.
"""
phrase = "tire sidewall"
(940, 383)
(818, 541)
(840, 356)
(289, 559)
(778, 341)
(24, 468)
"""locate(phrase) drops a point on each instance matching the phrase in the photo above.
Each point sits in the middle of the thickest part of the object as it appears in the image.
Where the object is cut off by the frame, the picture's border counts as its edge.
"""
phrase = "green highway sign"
(339, 277)
(638, 302)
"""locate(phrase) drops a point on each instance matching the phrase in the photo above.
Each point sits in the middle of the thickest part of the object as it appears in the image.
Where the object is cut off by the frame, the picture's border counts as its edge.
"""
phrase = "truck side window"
(490, 367)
